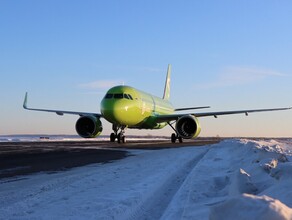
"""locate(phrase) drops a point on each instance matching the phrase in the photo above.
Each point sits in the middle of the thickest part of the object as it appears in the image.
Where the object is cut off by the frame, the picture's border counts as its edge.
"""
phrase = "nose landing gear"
(120, 136)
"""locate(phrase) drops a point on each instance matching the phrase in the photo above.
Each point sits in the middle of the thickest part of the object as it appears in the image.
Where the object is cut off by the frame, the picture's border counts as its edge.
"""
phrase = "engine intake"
(88, 126)
(188, 127)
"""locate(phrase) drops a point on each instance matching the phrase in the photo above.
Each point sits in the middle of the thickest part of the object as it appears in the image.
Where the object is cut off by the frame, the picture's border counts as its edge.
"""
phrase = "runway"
(22, 158)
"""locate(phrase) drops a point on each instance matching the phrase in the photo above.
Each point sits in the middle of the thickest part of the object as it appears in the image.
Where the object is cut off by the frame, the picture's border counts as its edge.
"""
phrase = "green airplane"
(127, 107)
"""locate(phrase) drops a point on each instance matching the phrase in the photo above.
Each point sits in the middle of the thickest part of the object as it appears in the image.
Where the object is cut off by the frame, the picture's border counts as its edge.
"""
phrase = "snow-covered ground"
(48, 138)
(235, 179)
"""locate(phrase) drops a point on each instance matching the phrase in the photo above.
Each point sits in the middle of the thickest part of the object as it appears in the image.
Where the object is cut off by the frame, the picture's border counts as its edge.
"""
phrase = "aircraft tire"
(112, 137)
(180, 139)
(123, 139)
(173, 138)
(119, 138)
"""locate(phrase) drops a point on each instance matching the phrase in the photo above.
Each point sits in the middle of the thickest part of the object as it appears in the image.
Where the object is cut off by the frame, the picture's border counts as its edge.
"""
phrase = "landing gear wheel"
(121, 138)
(173, 138)
(112, 137)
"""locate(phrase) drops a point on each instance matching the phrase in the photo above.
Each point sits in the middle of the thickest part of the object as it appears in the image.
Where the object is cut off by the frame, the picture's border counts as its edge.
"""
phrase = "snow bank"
(232, 169)
(279, 146)
(251, 207)
(241, 183)
(269, 192)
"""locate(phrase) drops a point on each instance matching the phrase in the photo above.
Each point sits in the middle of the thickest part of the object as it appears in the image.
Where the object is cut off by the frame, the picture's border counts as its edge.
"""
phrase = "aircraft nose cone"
(116, 112)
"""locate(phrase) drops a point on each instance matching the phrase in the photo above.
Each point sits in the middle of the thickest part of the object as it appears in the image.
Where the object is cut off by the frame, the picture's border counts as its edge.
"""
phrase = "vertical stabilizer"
(166, 93)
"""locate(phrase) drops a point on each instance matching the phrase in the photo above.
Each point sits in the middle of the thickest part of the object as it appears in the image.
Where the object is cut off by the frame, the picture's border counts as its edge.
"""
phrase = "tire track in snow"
(155, 204)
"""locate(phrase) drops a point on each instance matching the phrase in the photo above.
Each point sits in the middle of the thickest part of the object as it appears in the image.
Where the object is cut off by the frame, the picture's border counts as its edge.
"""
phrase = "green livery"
(126, 107)
(129, 107)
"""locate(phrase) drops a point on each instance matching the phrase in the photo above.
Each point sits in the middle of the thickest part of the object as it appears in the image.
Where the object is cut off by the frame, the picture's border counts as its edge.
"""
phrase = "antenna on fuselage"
(166, 94)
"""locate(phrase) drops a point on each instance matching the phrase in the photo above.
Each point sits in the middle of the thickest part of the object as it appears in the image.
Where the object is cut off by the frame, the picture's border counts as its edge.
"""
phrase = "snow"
(234, 179)
(64, 138)
(44, 138)
(258, 208)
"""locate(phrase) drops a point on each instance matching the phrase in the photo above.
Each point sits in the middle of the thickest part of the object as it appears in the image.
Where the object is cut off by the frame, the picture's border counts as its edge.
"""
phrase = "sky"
(66, 54)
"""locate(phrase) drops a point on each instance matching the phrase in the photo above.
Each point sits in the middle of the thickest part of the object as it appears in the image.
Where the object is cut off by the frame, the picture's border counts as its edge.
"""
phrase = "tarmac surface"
(22, 158)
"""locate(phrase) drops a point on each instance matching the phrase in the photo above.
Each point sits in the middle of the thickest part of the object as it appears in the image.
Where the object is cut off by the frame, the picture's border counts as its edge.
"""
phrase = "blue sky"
(66, 54)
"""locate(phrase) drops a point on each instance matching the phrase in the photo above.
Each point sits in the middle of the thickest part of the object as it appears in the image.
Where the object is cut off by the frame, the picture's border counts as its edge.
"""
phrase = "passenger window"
(108, 96)
(118, 96)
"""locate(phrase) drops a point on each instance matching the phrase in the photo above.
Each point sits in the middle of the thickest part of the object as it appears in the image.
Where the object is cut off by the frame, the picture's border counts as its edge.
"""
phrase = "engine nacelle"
(188, 126)
(88, 126)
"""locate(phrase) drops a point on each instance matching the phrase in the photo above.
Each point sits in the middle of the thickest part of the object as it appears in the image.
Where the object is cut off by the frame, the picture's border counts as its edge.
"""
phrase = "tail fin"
(166, 93)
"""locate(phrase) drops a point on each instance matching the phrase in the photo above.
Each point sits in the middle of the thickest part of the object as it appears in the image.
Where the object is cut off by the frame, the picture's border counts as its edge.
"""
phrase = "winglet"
(166, 93)
(25, 101)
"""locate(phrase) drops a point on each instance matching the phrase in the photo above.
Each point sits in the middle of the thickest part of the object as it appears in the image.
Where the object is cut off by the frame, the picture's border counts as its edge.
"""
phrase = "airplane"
(126, 107)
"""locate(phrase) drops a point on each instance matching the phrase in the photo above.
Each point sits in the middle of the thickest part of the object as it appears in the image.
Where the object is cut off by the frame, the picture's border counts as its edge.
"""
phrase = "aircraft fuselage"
(129, 107)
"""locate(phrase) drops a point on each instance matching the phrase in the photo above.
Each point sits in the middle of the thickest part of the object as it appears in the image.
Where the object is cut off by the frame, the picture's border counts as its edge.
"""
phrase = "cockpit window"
(130, 96)
(108, 96)
(126, 96)
(118, 96)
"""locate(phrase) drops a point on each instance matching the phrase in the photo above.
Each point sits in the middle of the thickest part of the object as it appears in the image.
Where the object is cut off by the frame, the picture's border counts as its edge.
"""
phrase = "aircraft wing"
(172, 117)
(191, 108)
(60, 112)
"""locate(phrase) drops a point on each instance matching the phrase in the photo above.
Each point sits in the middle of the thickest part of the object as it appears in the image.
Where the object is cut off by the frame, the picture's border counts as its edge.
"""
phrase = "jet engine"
(188, 126)
(88, 126)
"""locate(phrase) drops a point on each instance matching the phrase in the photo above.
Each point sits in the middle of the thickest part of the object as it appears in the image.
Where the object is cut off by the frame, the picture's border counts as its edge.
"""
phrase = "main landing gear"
(175, 136)
(120, 136)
